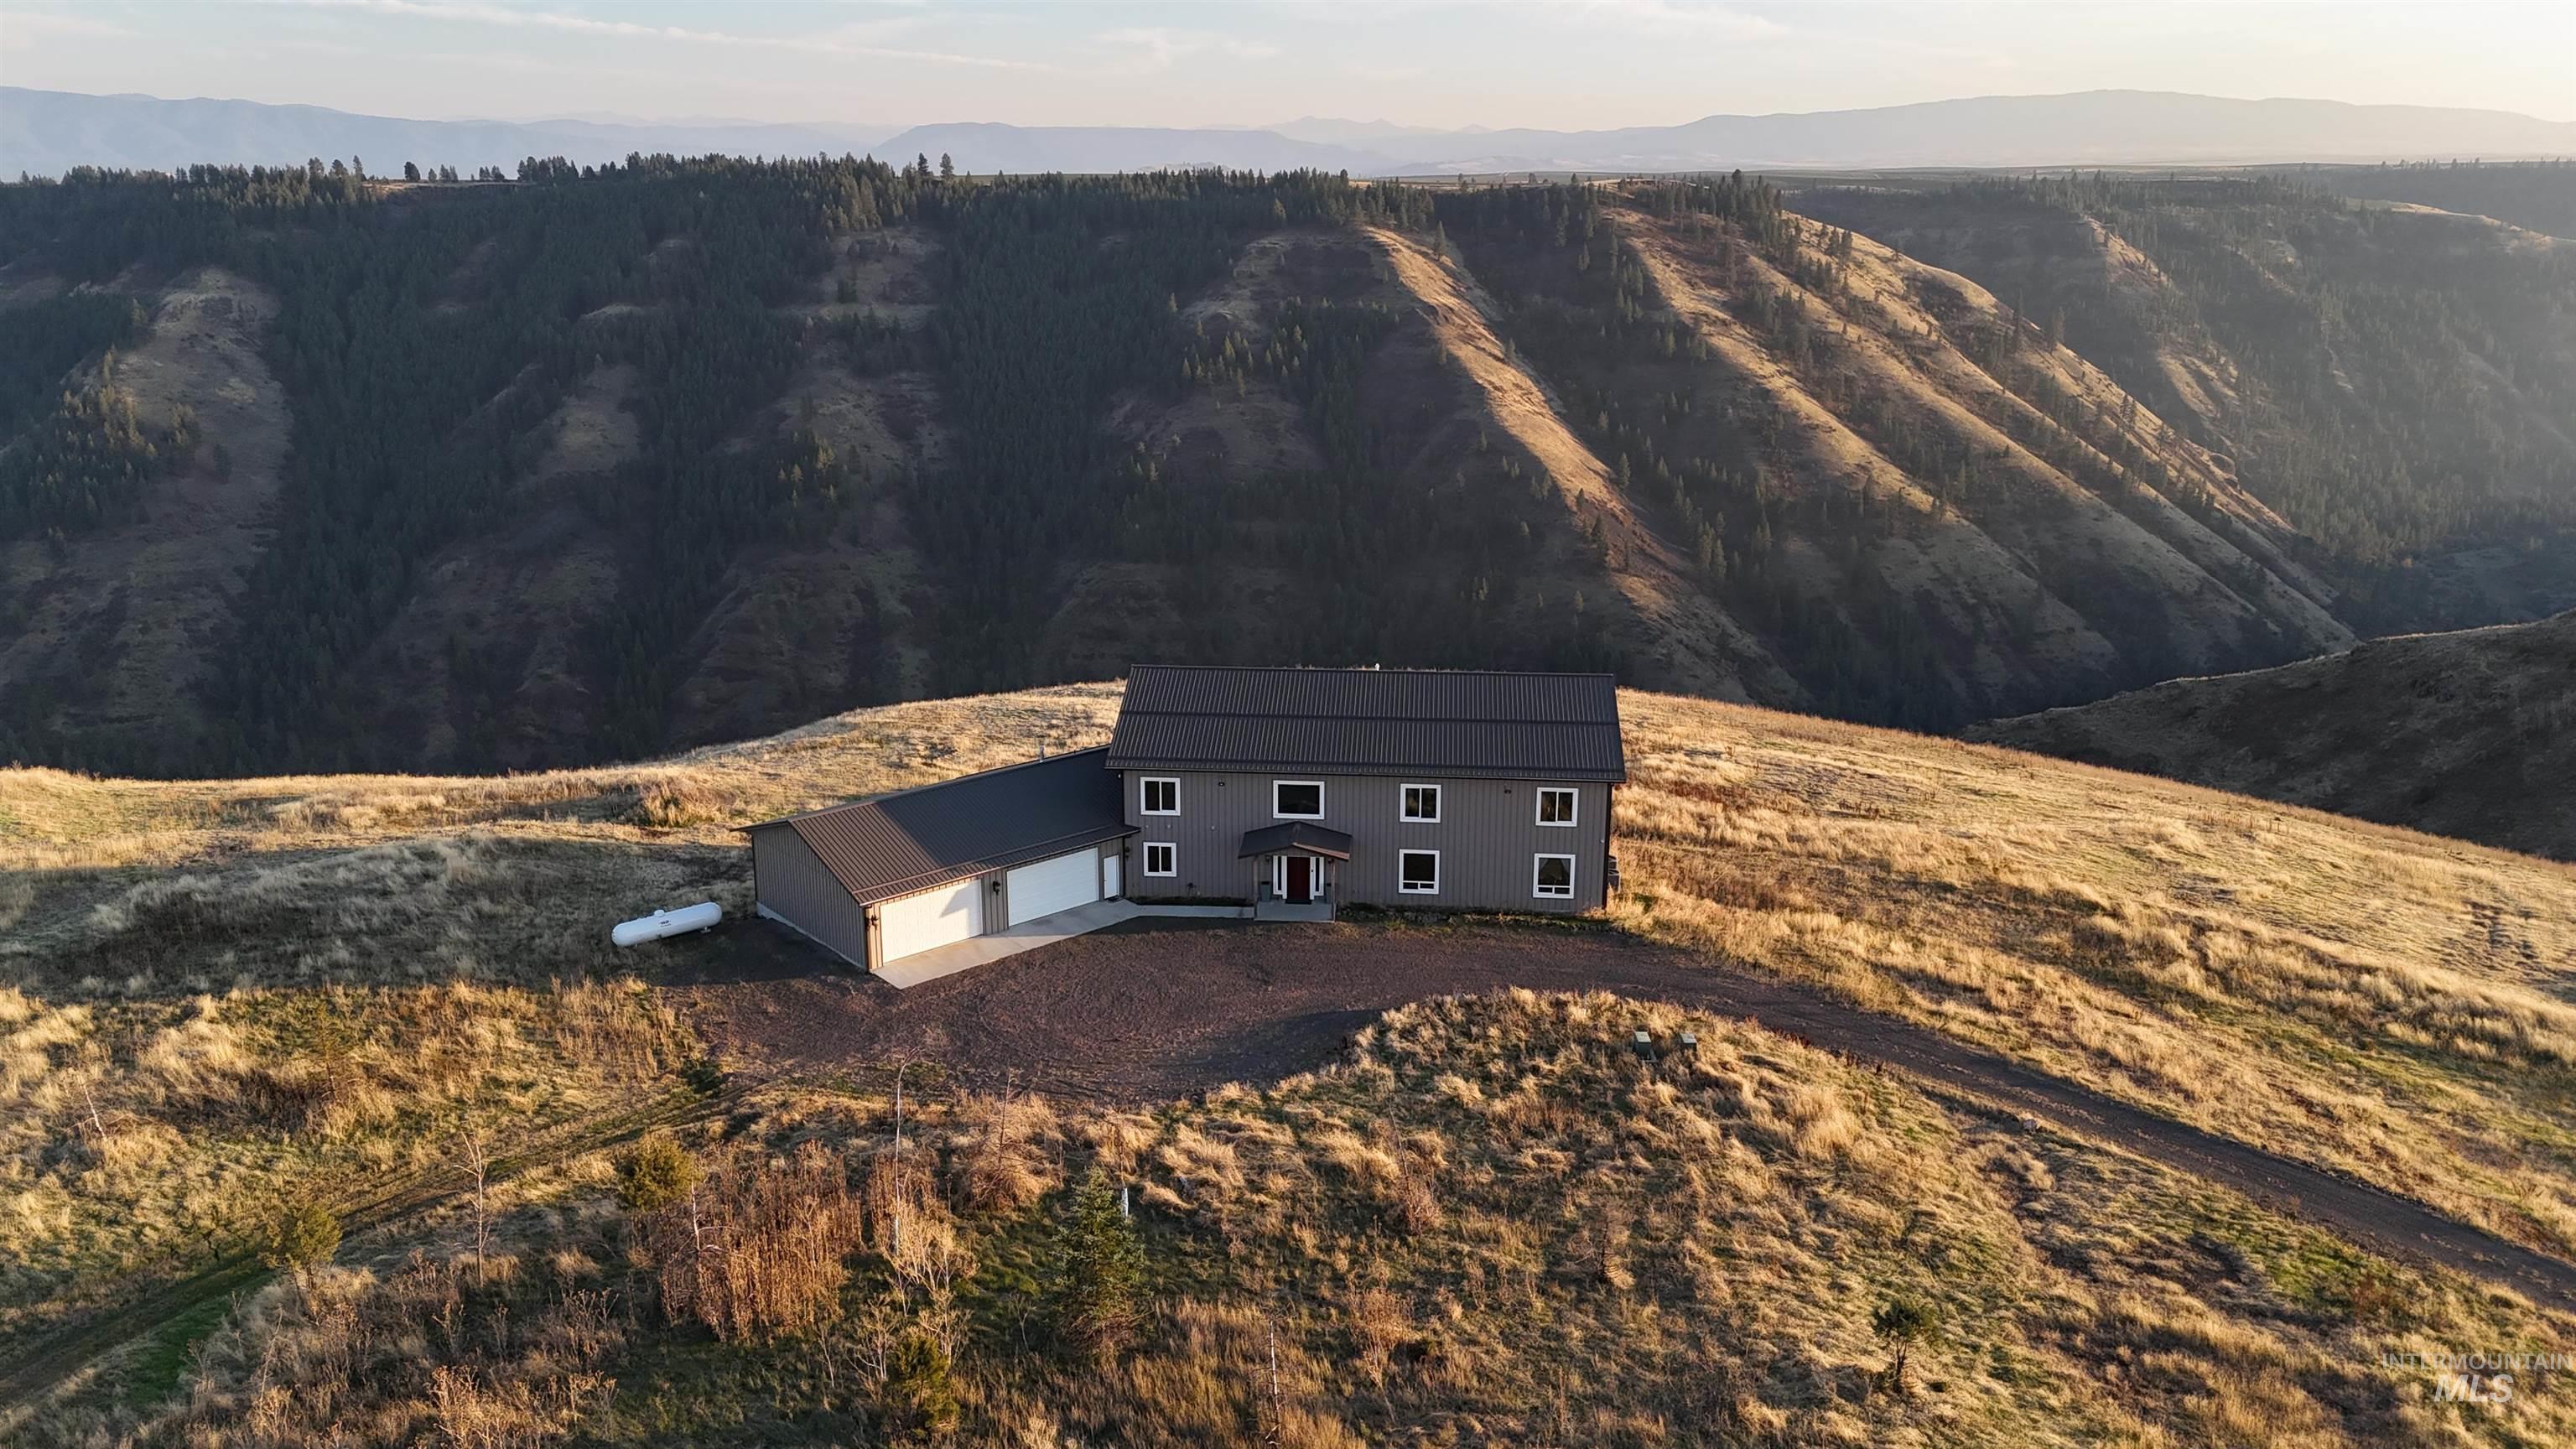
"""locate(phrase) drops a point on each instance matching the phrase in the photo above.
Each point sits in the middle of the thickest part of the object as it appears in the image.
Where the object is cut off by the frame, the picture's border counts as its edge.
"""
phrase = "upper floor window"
(1422, 803)
(1162, 797)
(1556, 806)
(1297, 799)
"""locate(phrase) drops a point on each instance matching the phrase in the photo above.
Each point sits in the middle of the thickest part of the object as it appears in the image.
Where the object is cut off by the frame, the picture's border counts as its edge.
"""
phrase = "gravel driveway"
(1146, 1010)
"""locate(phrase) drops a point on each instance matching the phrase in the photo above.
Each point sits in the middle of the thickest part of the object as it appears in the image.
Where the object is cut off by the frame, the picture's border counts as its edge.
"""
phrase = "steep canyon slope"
(2471, 733)
(593, 464)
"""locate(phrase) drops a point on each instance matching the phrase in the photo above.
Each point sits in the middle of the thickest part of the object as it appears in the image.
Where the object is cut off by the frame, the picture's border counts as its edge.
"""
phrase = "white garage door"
(932, 918)
(1054, 885)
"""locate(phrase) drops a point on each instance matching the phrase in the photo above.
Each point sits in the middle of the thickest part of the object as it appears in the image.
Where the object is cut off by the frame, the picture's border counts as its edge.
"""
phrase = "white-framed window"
(1160, 858)
(1159, 796)
(1552, 877)
(1422, 804)
(1556, 805)
(1417, 872)
(1297, 799)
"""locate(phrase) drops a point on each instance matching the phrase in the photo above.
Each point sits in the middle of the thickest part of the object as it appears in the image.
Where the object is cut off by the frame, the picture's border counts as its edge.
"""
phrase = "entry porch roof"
(1298, 836)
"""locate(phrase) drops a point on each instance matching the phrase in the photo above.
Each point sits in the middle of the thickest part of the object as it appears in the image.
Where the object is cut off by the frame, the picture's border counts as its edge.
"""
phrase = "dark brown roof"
(1371, 722)
(916, 839)
(1302, 835)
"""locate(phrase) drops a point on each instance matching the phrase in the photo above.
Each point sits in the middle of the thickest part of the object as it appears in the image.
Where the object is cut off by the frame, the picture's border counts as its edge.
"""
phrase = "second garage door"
(932, 918)
(1054, 885)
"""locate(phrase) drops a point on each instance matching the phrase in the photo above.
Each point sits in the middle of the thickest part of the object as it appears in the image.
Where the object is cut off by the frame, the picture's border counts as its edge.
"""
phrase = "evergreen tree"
(920, 1395)
(1903, 1323)
(302, 1237)
(1104, 1270)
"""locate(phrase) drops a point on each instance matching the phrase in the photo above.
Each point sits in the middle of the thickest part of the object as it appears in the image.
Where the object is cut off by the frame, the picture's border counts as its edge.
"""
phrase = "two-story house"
(1303, 788)
(1282, 790)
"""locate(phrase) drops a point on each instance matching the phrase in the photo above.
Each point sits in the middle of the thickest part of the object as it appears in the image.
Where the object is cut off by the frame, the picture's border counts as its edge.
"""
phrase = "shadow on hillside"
(516, 908)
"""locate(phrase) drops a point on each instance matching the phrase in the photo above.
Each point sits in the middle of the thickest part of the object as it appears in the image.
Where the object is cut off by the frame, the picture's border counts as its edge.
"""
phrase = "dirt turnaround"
(1155, 1009)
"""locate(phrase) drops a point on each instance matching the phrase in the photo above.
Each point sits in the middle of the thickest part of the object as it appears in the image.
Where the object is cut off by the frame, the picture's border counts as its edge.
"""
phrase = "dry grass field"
(1494, 1222)
(225, 997)
(2390, 1005)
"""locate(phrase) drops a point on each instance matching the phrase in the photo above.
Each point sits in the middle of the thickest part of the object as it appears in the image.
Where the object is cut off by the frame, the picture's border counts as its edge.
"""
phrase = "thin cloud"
(1668, 18)
(32, 24)
(1156, 48)
(843, 41)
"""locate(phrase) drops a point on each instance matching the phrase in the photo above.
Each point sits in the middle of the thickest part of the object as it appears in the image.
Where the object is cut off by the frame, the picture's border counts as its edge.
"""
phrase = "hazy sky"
(1573, 64)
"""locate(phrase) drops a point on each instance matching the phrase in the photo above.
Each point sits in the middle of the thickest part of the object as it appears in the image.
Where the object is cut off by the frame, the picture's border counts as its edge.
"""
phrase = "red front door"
(1301, 879)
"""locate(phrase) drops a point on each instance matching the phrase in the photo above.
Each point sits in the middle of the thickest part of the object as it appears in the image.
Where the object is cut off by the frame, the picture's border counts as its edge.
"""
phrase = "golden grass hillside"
(2390, 1005)
(216, 997)
(222, 996)
(1492, 1223)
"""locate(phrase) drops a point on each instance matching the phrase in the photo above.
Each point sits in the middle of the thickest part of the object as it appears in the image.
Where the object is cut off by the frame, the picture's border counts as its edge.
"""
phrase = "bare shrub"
(424, 1356)
(1005, 1152)
(472, 1411)
(912, 1232)
(1379, 1325)
(1118, 1140)
(756, 1252)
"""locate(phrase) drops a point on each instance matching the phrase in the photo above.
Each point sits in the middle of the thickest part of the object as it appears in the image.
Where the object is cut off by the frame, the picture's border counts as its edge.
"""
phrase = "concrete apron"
(905, 972)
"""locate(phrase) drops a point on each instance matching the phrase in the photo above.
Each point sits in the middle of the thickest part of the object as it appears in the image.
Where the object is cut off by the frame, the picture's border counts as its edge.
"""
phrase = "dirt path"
(1155, 1009)
(49, 1361)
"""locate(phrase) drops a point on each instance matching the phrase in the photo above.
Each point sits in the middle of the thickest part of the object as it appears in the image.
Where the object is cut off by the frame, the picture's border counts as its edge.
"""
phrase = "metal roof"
(1371, 722)
(929, 836)
(1302, 835)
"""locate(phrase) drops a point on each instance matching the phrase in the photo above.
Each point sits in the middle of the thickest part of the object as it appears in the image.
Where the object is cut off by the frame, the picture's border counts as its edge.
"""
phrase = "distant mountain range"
(46, 132)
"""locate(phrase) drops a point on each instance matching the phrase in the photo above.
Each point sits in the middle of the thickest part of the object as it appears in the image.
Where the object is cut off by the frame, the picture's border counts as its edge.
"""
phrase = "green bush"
(921, 1402)
(656, 1174)
(303, 1236)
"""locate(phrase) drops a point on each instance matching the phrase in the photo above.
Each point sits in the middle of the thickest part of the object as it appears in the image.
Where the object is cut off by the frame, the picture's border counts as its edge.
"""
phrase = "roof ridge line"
(1369, 669)
(1379, 719)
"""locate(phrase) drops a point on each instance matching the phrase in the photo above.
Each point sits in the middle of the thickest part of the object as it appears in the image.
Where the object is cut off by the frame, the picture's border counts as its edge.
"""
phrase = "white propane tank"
(667, 923)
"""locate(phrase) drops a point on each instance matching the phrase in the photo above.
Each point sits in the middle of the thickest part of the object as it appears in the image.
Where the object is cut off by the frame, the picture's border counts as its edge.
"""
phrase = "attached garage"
(936, 917)
(880, 880)
(1053, 885)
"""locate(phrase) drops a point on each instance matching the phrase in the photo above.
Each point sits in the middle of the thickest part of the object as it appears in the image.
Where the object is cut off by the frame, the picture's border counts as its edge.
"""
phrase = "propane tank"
(654, 927)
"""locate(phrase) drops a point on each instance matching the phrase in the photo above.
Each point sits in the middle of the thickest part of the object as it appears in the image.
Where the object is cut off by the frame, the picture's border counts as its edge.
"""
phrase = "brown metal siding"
(796, 886)
(1488, 838)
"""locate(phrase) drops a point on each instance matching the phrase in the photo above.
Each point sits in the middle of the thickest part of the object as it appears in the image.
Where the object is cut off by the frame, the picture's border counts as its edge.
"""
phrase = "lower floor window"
(1158, 857)
(1554, 876)
(1418, 872)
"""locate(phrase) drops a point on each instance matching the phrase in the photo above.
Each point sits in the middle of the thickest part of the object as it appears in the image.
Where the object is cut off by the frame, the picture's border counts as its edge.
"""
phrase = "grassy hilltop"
(1487, 1220)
